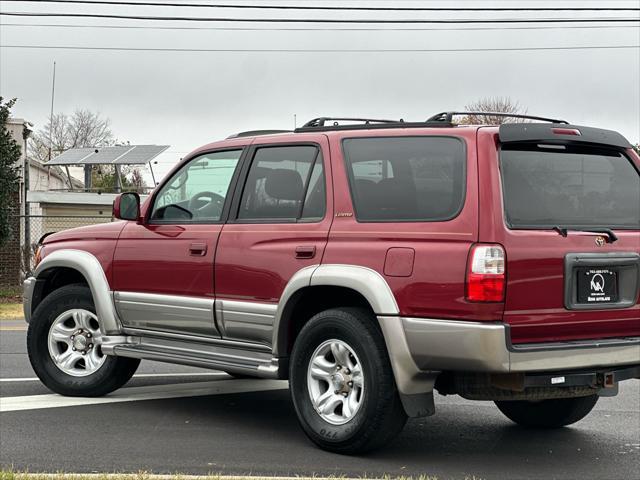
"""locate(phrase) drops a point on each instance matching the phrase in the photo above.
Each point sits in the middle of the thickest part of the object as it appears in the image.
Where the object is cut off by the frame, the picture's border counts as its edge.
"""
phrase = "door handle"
(306, 251)
(198, 249)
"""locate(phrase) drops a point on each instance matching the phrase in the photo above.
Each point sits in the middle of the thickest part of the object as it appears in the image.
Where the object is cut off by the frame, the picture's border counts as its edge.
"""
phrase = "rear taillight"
(566, 131)
(486, 276)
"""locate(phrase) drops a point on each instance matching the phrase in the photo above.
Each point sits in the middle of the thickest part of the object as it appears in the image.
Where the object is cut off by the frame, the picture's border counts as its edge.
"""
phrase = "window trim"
(228, 199)
(242, 183)
(533, 146)
(351, 179)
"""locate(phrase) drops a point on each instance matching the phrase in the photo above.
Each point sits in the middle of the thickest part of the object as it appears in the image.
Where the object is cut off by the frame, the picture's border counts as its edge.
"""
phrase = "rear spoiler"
(560, 134)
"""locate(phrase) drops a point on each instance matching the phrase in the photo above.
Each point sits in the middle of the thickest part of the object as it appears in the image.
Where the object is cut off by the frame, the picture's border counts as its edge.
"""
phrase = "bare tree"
(137, 179)
(493, 104)
(83, 128)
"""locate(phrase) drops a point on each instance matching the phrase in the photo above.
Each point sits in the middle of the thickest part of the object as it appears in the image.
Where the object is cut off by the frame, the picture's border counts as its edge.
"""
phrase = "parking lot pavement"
(205, 428)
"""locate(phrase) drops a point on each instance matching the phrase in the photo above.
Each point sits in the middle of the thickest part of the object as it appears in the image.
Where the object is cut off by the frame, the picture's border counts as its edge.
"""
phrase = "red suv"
(370, 262)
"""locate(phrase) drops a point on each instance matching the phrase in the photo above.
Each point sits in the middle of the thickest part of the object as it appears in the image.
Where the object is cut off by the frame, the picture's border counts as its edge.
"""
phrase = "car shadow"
(258, 430)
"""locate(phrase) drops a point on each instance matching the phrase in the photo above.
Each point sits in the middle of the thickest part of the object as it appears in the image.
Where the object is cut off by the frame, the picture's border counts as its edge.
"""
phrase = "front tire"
(63, 342)
(342, 385)
(554, 413)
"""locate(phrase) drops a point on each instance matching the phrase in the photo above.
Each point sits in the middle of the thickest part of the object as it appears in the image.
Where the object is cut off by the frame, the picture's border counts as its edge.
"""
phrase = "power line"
(333, 7)
(321, 20)
(321, 50)
(318, 29)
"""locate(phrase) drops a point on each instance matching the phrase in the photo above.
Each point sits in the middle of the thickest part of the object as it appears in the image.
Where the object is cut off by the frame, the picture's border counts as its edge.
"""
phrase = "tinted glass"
(315, 201)
(406, 178)
(284, 183)
(573, 187)
(198, 190)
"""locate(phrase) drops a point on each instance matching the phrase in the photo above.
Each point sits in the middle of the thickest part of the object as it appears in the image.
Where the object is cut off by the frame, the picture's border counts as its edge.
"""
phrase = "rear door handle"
(198, 249)
(306, 251)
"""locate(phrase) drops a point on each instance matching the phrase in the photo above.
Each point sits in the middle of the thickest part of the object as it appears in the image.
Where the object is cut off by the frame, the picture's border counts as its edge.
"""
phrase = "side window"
(284, 183)
(406, 179)
(197, 191)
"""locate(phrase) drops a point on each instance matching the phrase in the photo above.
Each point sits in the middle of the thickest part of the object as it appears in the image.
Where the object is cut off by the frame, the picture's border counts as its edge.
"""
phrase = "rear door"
(278, 224)
(550, 205)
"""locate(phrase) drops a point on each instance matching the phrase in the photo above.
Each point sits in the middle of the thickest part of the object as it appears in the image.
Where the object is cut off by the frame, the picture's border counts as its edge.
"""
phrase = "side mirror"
(127, 206)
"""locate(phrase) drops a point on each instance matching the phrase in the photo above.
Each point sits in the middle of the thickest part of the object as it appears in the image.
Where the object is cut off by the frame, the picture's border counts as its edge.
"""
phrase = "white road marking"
(134, 394)
(137, 375)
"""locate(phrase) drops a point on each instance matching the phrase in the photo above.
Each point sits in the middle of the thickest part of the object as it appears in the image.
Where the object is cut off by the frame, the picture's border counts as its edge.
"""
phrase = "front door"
(278, 224)
(163, 266)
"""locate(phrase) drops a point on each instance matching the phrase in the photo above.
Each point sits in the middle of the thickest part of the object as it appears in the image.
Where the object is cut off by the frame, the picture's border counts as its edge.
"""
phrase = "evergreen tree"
(9, 173)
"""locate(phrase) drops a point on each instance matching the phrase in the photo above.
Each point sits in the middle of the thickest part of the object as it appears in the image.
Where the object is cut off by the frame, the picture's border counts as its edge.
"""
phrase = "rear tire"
(554, 413)
(63, 342)
(348, 402)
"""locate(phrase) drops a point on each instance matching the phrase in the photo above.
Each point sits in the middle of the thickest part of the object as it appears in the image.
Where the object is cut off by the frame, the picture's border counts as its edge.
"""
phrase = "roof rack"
(320, 124)
(320, 121)
(256, 133)
(447, 117)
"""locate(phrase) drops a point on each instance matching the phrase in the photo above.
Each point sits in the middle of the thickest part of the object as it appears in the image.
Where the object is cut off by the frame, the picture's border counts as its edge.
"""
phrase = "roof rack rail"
(256, 133)
(320, 124)
(320, 121)
(447, 117)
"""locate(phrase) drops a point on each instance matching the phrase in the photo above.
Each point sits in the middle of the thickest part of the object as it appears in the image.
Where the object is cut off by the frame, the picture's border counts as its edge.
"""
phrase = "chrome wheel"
(335, 382)
(74, 343)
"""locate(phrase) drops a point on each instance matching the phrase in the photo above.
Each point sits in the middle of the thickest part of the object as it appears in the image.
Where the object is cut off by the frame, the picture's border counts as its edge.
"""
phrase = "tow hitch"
(605, 381)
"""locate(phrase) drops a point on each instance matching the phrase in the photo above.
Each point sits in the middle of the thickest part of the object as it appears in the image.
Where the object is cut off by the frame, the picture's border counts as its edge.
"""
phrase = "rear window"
(418, 179)
(569, 187)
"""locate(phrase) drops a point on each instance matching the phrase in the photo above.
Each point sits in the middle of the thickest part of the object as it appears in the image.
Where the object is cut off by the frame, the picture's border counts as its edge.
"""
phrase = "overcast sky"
(186, 99)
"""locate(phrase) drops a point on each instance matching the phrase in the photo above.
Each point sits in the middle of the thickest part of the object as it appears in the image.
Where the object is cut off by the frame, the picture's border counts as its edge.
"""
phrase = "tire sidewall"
(309, 339)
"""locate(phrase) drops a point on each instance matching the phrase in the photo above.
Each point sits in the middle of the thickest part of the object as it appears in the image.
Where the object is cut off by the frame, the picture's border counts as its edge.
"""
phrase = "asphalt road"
(205, 429)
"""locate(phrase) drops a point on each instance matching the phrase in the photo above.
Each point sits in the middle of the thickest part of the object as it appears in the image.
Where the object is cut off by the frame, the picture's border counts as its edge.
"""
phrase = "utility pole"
(26, 131)
(53, 94)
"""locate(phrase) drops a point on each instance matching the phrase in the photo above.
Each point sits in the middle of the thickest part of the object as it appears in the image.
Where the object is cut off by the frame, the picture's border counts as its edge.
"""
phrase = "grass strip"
(11, 311)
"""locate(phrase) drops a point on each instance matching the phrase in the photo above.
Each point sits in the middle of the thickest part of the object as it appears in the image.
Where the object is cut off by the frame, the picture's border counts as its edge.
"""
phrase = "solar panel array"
(118, 155)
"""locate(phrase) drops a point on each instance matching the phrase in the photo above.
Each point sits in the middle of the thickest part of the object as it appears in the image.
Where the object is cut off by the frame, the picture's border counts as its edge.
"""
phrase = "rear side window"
(569, 187)
(284, 183)
(418, 179)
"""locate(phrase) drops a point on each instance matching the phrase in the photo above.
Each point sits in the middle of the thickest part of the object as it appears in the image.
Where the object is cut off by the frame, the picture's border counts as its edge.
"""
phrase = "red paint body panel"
(99, 240)
(436, 288)
(535, 268)
(157, 259)
(254, 261)
(399, 262)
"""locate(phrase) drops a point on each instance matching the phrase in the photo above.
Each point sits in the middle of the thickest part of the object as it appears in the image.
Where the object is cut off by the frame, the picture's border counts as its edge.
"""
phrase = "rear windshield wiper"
(564, 231)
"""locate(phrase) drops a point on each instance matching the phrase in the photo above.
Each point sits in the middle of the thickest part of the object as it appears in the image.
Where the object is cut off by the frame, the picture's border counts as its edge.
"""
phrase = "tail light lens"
(486, 275)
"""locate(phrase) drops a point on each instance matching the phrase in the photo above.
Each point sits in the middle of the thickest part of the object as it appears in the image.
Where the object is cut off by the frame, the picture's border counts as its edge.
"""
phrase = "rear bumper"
(480, 347)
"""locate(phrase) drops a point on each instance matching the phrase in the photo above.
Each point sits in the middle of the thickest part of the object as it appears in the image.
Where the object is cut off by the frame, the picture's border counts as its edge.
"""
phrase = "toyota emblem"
(600, 241)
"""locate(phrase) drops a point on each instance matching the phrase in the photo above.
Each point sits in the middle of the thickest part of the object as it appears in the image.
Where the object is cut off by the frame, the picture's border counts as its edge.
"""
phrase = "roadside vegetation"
(10, 303)
(11, 475)
(9, 173)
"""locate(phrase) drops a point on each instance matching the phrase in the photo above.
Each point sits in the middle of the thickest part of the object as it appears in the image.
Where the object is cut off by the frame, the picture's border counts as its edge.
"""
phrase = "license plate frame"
(596, 285)
(627, 265)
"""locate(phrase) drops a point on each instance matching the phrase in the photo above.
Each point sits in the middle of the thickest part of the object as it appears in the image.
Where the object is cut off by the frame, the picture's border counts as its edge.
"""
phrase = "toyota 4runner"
(369, 262)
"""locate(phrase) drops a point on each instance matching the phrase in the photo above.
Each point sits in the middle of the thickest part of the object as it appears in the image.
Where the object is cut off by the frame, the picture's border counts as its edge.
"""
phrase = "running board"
(195, 354)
